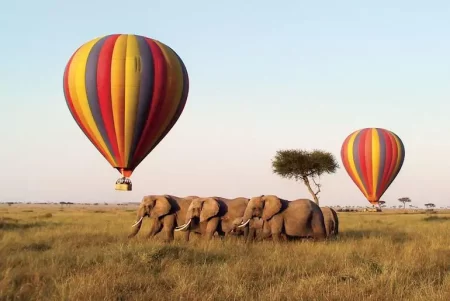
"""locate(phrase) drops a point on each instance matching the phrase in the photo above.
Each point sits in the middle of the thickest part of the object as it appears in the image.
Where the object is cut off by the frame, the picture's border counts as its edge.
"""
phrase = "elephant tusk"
(182, 227)
(137, 222)
(244, 224)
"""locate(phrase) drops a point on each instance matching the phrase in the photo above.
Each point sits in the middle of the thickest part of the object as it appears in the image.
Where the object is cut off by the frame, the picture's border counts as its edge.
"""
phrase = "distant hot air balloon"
(373, 158)
(125, 92)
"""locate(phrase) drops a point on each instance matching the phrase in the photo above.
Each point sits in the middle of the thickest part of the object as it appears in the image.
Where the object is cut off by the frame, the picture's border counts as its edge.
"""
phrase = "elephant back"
(183, 205)
(234, 207)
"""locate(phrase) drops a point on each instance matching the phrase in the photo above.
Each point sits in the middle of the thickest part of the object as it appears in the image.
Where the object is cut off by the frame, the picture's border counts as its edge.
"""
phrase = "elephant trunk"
(136, 227)
(138, 222)
(246, 218)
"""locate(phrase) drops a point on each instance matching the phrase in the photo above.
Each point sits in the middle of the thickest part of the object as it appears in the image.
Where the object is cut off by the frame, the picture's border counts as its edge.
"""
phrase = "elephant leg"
(276, 227)
(220, 231)
(246, 232)
(266, 232)
(186, 234)
(211, 228)
(221, 234)
(155, 228)
(168, 227)
(276, 231)
(251, 234)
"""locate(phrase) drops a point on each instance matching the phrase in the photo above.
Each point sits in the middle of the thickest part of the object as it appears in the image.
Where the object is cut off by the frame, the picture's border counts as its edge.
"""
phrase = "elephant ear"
(210, 208)
(161, 206)
(145, 205)
(272, 205)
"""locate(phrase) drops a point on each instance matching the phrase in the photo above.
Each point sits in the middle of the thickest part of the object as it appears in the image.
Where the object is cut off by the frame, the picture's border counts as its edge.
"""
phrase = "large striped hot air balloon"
(373, 158)
(125, 92)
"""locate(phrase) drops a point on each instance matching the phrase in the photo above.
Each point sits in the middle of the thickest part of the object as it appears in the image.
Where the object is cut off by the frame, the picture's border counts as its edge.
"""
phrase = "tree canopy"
(404, 200)
(304, 165)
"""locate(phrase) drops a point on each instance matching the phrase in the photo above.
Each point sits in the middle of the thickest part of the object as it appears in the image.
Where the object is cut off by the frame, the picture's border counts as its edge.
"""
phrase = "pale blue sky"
(263, 75)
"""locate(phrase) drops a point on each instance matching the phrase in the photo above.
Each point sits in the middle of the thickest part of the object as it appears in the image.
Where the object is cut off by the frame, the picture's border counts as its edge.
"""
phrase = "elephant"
(166, 212)
(298, 218)
(331, 221)
(214, 214)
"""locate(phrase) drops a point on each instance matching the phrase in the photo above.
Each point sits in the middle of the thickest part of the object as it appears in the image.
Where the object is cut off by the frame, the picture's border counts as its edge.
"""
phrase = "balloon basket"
(124, 184)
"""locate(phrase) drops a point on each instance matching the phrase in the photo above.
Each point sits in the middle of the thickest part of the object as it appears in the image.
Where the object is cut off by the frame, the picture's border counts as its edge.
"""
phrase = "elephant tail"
(336, 223)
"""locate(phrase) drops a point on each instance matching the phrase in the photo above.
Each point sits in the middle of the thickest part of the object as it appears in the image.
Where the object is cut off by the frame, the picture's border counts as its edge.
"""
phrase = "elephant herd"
(258, 218)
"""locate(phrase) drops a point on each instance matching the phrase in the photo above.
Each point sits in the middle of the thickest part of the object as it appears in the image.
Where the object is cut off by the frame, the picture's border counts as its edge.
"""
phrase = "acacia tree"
(404, 200)
(305, 166)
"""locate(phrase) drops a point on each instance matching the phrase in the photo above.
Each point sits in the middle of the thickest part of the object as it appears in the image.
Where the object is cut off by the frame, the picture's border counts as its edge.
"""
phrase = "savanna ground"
(82, 253)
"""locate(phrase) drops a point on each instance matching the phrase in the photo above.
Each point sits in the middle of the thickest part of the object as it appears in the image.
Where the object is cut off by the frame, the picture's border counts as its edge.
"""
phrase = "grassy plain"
(82, 253)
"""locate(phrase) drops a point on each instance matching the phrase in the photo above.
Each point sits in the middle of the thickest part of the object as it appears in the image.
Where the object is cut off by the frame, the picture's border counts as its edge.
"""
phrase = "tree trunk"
(316, 199)
(404, 205)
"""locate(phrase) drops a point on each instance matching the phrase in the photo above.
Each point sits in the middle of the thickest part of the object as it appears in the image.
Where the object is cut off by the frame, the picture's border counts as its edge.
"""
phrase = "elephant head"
(153, 206)
(200, 209)
(264, 207)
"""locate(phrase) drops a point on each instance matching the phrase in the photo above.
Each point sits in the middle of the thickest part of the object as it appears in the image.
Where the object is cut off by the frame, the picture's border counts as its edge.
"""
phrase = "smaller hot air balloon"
(373, 158)
(125, 92)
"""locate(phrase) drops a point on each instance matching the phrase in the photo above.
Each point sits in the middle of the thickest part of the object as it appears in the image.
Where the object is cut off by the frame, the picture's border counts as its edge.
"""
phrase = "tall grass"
(82, 254)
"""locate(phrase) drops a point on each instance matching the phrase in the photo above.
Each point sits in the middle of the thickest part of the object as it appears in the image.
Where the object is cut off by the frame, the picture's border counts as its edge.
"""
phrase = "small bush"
(47, 215)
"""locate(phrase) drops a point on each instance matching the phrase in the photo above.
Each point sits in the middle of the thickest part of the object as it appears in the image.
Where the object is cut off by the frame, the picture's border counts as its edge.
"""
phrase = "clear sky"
(264, 75)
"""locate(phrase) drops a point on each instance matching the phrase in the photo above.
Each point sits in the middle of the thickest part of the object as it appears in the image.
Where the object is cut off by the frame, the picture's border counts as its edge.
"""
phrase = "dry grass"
(82, 254)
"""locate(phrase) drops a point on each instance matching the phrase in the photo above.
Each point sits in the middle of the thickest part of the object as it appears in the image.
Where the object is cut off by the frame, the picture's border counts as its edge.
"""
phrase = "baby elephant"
(331, 221)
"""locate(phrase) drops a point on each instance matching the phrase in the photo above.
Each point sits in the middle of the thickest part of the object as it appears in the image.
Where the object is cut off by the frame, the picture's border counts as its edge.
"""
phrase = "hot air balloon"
(125, 92)
(373, 158)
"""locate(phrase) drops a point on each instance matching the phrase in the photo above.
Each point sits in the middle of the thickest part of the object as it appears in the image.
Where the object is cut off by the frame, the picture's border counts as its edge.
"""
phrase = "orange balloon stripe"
(118, 62)
(374, 159)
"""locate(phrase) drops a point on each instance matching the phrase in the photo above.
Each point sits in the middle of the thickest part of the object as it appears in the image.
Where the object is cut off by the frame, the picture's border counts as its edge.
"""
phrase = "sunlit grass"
(75, 253)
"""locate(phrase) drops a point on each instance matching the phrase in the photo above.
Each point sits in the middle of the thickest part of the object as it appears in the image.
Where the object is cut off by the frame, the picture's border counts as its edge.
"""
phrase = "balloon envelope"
(125, 92)
(373, 158)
